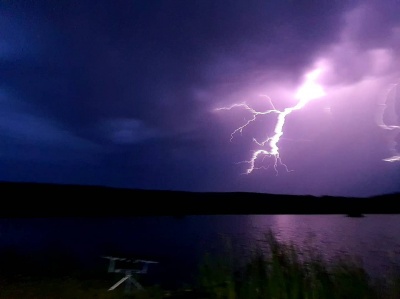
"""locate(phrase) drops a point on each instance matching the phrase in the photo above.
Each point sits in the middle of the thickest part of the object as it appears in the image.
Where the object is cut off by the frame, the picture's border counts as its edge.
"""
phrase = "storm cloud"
(134, 86)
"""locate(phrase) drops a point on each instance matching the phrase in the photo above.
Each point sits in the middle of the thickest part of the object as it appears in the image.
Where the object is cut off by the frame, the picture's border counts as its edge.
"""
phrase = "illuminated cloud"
(388, 118)
(356, 70)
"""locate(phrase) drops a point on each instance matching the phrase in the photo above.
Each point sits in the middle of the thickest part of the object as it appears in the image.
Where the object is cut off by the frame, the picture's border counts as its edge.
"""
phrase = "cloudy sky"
(126, 94)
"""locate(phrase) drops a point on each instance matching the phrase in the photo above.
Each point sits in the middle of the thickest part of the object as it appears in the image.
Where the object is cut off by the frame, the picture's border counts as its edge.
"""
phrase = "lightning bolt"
(388, 102)
(310, 90)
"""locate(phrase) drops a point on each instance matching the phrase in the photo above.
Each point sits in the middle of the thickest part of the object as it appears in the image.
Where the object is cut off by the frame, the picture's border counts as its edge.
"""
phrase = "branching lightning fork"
(308, 91)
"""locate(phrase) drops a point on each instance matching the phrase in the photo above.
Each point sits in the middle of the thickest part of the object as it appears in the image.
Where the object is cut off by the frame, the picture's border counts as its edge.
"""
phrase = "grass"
(270, 270)
(275, 270)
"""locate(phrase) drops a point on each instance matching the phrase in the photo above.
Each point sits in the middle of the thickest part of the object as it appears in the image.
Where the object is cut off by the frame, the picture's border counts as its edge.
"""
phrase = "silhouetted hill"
(52, 200)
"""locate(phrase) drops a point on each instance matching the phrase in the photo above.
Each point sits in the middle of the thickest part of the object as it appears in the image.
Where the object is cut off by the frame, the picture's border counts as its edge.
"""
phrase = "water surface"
(181, 242)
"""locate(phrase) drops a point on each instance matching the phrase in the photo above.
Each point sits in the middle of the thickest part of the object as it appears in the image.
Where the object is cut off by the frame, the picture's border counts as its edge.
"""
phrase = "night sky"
(125, 94)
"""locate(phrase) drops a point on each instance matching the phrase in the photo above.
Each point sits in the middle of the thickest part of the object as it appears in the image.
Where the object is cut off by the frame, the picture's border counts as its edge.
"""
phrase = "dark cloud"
(142, 59)
(27, 135)
(135, 83)
(128, 131)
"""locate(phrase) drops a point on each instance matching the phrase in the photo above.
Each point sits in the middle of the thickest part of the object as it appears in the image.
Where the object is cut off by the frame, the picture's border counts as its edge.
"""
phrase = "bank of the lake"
(271, 269)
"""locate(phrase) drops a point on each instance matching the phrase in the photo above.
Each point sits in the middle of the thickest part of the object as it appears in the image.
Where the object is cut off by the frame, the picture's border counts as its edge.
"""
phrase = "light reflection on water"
(375, 238)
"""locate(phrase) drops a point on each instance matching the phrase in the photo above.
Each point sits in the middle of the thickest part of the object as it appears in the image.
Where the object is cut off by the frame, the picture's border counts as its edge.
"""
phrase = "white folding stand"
(128, 278)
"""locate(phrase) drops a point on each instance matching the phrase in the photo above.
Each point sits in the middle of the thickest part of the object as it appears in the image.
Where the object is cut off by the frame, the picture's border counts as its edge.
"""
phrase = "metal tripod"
(128, 278)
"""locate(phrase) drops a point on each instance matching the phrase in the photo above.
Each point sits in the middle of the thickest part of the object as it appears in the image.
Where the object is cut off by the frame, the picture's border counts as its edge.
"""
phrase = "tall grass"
(277, 270)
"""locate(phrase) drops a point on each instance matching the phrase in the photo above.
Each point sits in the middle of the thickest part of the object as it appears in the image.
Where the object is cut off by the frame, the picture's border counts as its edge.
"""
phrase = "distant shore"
(53, 200)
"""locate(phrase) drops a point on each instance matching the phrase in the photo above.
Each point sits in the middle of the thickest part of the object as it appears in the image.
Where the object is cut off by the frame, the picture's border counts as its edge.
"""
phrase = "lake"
(181, 242)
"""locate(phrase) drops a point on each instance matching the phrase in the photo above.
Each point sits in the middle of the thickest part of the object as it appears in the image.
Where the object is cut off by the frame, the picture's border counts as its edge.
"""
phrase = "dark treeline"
(52, 200)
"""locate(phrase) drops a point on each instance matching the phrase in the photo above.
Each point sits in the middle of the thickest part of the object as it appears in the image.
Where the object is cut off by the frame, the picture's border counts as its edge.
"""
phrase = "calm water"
(181, 242)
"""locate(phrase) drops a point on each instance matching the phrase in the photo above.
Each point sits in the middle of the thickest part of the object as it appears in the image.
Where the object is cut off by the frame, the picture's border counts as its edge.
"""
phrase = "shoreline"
(53, 200)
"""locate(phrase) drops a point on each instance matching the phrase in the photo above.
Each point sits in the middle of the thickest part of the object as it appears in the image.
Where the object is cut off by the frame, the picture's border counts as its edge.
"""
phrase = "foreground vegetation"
(271, 269)
(282, 271)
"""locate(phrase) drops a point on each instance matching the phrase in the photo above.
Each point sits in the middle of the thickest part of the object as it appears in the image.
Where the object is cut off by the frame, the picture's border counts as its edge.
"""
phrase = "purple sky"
(100, 93)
